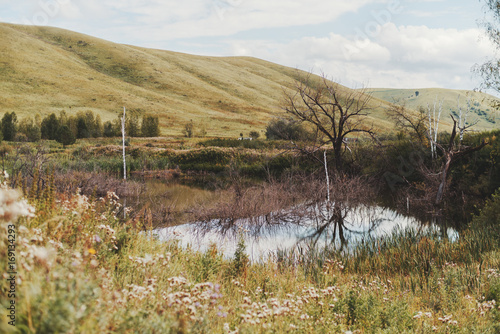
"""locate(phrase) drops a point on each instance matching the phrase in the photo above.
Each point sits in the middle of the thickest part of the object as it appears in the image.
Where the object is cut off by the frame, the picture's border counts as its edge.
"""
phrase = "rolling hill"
(45, 70)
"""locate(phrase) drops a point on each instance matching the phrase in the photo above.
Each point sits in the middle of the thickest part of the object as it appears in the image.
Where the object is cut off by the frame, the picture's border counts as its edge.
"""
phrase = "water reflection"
(320, 224)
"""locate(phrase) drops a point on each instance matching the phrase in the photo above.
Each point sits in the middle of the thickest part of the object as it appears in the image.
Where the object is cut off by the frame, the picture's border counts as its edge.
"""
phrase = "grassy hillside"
(45, 70)
(481, 103)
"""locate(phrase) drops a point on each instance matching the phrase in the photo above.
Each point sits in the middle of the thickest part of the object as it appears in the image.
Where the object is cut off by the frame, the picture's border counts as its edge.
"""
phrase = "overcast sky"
(375, 43)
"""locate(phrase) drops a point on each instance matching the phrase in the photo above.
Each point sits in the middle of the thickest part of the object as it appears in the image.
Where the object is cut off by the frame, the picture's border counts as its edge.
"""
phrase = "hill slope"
(45, 70)
(482, 110)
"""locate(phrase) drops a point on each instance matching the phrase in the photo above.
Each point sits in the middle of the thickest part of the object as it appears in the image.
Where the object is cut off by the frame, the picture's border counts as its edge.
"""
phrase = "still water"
(284, 231)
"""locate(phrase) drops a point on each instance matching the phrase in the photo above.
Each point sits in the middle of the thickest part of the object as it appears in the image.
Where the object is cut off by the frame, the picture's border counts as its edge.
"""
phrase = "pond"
(325, 224)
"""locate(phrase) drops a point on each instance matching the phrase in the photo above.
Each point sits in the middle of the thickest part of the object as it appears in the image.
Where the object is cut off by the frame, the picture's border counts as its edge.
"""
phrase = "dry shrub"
(280, 202)
(98, 184)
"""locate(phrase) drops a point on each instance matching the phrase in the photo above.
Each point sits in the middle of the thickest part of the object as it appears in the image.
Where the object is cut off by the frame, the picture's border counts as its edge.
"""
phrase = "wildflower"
(446, 318)
(175, 281)
(40, 253)
(12, 206)
(56, 244)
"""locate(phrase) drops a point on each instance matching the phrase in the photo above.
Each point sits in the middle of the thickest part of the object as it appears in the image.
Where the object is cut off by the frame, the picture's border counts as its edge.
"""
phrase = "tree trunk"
(444, 176)
(337, 150)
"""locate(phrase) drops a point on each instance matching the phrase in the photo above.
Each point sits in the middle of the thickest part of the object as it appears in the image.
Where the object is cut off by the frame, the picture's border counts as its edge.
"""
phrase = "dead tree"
(333, 110)
(451, 154)
(405, 120)
(434, 124)
(462, 118)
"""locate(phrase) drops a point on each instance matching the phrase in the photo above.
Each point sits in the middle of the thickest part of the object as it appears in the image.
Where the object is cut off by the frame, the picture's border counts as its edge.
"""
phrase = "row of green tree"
(66, 129)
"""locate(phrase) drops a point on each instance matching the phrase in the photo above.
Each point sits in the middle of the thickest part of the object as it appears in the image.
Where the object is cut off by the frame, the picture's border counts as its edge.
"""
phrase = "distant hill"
(482, 104)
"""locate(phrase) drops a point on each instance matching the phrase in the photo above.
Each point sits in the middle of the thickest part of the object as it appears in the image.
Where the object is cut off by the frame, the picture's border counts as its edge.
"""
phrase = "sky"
(359, 43)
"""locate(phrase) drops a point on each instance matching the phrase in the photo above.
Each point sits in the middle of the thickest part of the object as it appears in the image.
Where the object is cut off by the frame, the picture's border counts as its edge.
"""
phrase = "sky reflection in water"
(263, 237)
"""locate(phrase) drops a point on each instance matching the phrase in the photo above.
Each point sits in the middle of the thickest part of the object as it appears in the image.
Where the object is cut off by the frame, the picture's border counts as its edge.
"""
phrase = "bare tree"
(462, 117)
(333, 110)
(434, 124)
(451, 154)
(405, 120)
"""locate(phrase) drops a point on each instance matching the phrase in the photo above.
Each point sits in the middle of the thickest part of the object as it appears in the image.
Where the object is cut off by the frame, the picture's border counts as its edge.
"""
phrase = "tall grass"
(82, 271)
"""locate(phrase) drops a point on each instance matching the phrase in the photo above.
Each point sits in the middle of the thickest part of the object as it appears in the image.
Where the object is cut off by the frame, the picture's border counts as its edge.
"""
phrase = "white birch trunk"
(123, 142)
(327, 181)
(434, 124)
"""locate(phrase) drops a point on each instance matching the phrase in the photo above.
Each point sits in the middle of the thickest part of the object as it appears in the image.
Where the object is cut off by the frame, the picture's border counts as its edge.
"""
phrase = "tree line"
(67, 128)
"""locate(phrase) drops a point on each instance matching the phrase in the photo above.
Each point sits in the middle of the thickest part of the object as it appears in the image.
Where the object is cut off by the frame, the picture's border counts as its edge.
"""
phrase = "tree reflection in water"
(311, 220)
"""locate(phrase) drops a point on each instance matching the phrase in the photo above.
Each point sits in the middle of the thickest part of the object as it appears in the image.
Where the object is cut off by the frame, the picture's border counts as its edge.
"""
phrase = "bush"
(9, 127)
(30, 129)
(109, 130)
(287, 129)
(189, 129)
(65, 136)
(254, 134)
(251, 144)
(490, 214)
(50, 127)
(150, 126)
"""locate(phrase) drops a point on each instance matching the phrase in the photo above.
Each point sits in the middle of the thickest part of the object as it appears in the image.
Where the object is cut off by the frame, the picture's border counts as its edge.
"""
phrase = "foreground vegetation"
(81, 270)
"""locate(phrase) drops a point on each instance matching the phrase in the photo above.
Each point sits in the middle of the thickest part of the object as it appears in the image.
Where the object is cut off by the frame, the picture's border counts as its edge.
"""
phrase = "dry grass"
(46, 70)
(79, 270)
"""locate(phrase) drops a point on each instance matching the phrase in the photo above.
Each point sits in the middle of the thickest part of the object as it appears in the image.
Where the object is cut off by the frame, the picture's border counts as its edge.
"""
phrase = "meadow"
(80, 269)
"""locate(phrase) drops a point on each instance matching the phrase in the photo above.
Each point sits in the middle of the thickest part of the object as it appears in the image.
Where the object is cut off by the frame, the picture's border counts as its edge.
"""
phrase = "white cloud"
(406, 56)
(379, 52)
(166, 20)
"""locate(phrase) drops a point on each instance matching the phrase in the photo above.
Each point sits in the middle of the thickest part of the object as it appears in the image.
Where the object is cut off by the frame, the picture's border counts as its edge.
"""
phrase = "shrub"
(109, 129)
(286, 129)
(65, 136)
(9, 126)
(189, 129)
(50, 127)
(254, 134)
(30, 129)
(150, 126)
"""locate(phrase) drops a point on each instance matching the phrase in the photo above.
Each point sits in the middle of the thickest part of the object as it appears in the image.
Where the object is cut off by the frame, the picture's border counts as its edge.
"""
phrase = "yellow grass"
(45, 70)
